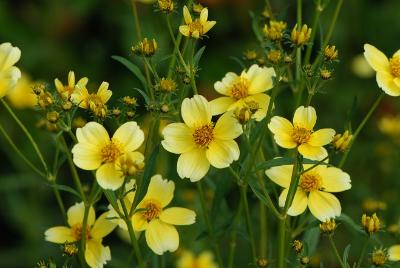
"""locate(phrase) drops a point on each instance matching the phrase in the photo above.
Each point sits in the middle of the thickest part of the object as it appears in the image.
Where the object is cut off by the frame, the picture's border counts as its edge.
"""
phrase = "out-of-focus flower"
(300, 36)
(387, 70)
(96, 255)
(373, 205)
(198, 27)
(22, 95)
(189, 260)
(109, 157)
(199, 142)
(244, 89)
(166, 5)
(379, 257)
(250, 55)
(360, 67)
(274, 56)
(157, 221)
(394, 253)
(66, 90)
(390, 125)
(9, 74)
(274, 30)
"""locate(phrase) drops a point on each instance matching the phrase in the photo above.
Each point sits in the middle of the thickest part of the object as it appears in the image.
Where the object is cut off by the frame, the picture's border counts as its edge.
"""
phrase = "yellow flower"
(300, 35)
(156, 220)
(66, 90)
(394, 253)
(22, 96)
(244, 90)
(9, 74)
(387, 70)
(274, 30)
(300, 134)
(199, 142)
(203, 260)
(96, 255)
(198, 27)
(314, 190)
(92, 101)
(96, 151)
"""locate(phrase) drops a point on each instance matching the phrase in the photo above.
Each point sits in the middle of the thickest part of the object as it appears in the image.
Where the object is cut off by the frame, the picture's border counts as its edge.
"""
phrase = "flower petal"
(178, 216)
(93, 133)
(184, 30)
(204, 15)
(375, 58)
(160, 190)
(59, 235)
(225, 85)
(299, 203)
(312, 152)
(323, 206)
(129, 135)
(394, 253)
(221, 105)
(76, 212)
(206, 259)
(161, 237)
(8, 80)
(221, 153)
(87, 156)
(321, 137)
(227, 127)
(386, 83)
(96, 255)
(334, 179)
(193, 165)
(262, 101)
(282, 130)
(260, 79)
(186, 15)
(208, 25)
(108, 177)
(9, 55)
(305, 117)
(71, 79)
(178, 138)
(281, 175)
(196, 111)
(103, 92)
(139, 223)
(102, 227)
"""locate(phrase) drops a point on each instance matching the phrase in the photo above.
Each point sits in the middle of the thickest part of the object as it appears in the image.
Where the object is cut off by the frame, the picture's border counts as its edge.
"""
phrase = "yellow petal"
(206, 260)
(160, 190)
(96, 255)
(312, 152)
(397, 82)
(59, 235)
(323, 205)
(208, 25)
(221, 153)
(282, 130)
(221, 105)
(193, 165)
(186, 15)
(386, 83)
(80, 95)
(204, 15)
(103, 92)
(71, 79)
(196, 34)
(184, 30)
(178, 216)
(129, 135)
(87, 156)
(227, 127)
(76, 212)
(93, 133)
(334, 179)
(321, 137)
(9, 55)
(305, 117)
(376, 59)
(22, 96)
(260, 79)
(196, 111)
(108, 177)
(262, 101)
(178, 138)
(102, 227)
(8, 80)
(225, 85)
(281, 175)
(186, 260)
(139, 223)
(299, 203)
(59, 85)
(161, 237)
(394, 253)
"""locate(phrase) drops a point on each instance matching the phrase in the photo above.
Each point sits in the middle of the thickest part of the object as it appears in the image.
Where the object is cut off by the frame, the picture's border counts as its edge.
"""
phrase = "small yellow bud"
(328, 227)
(186, 80)
(45, 99)
(325, 74)
(167, 85)
(130, 166)
(130, 114)
(300, 36)
(145, 48)
(274, 56)
(67, 106)
(38, 88)
(41, 264)
(379, 257)
(341, 141)
(197, 8)
(165, 108)
(243, 115)
(331, 53)
(305, 260)
(70, 249)
(166, 5)
(297, 246)
(99, 110)
(52, 117)
(371, 224)
(274, 30)
(262, 262)
(116, 112)
(250, 55)
(129, 100)
(288, 59)
(78, 122)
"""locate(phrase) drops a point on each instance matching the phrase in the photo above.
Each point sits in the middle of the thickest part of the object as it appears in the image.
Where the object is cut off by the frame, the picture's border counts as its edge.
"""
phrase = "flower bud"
(250, 55)
(297, 246)
(274, 30)
(331, 53)
(262, 262)
(371, 224)
(145, 48)
(52, 117)
(300, 36)
(70, 249)
(341, 141)
(325, 74)
(379, 257)
(328, 227)
(167, 85)
(274, 56)
(166, 5)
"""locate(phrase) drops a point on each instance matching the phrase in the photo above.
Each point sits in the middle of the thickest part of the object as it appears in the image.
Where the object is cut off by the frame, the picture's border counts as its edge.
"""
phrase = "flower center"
(110, 152)
(310, 182)
(240, 88)
(196, 26)
(203, 135)
(77, 232)
(301, 135)
(395, 66)
(152, 210)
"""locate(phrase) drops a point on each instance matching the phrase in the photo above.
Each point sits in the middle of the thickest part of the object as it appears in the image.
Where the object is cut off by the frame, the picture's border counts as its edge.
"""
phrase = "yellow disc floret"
(310, 182)
(204, 135)
(395, 66)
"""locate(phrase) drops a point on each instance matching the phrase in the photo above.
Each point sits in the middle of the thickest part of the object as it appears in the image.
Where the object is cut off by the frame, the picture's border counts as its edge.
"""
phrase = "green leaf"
(133, 68)
(255, 187)
(65, 188)
(242, 66)
(346, 255)
(144, 95)
(279, 161)
(198, 55)
(311, 239)
(349, 222)
(255, 26)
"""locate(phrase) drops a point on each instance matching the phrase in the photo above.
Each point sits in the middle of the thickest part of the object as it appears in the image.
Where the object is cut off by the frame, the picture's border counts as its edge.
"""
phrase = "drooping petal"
(321, 137)
(193, 164)
(196, 111)
(178, 138)
(312, 152)
(160, 190)
(299, 203)
(376, 59)
(305, 117)
(96, 255)
(9, 55)
(87, 156)
(262, 101)
(102, 227)
(220, 105)
(227, 127)
(178, 216)
(59, 85)
(221, 153)
(282, 130)
(186, 15)
(161, 237)
(334, 179)
(108, 177)
(225, 85)
(80, 95)
(281, 175)
(323, 205)
(394, 253)
(386, 83)
(76, 213)
(59, 235)
(260, 79)
(129, 135)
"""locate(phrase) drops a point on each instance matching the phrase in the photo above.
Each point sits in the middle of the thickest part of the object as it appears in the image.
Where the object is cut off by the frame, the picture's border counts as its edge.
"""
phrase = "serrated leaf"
(133, 68)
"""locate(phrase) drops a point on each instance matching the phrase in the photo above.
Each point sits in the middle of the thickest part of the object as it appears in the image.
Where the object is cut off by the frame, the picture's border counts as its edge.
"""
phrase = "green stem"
(318, 10)
(84, 227)
(59, 201)
(360, 127)
(208, 223)
(263, 230)
(29, 136)
(335, 250)
(363, 251)
(249, 227)
(178, 52)
(233, 236)
(281, 243)
(192, 69)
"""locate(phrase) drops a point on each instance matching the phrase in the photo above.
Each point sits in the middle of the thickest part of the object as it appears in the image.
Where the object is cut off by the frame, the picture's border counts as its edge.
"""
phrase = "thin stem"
(363, 251)
(315, 165)
(249, 227)
(192, 69)
(263, 230)
(29, 136)
(208, 223)
(318, 10)
(233, 236)
(360, 127)
(335, 250)
(178, 52)
(281, 243)
(59, 202)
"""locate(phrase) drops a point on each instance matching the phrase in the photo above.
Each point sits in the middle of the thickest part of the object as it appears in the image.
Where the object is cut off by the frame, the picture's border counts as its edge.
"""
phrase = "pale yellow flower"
(360, 67)
(199, 142)
(22, 96)
(96, 255)
(111, 158)
(66, 90)
(158, 222)
(245, 90)
(394, 253)
(92, 101)
(9, 74)
(300, 134)
(387, 70)
(203, 260)
(198, 27)
(314, 190)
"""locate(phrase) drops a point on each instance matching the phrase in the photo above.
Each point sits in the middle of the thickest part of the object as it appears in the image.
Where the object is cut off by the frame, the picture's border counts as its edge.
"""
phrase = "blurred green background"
(82, 35)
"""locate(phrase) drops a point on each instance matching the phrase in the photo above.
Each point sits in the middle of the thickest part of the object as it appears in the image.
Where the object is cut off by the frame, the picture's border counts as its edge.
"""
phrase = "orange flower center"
(110, 152)
(395, 66)
(301, 135)
(77, 232)
(196, 26)
(152, 210)
(204, 135)
(240, 88)
(310, 182)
